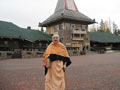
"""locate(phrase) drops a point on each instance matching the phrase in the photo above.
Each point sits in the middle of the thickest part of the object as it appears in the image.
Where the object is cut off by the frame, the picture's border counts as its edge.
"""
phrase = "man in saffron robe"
(55, 60)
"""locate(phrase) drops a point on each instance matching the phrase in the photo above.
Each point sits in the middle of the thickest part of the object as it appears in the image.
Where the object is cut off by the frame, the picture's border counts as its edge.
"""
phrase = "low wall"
(20, 54)
(32, 54)
(6, 54)
(29, 54)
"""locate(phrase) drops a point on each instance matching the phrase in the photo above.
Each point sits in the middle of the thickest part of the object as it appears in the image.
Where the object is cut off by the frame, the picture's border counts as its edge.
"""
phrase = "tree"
(93, 29)
(101, 26)
(115, 28)
(105, 26)
(42, 30)
(108, 30)
(118, 31)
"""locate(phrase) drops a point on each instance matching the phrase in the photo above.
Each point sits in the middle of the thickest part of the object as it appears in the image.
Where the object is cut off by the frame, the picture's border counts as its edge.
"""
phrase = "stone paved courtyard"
(87, 72)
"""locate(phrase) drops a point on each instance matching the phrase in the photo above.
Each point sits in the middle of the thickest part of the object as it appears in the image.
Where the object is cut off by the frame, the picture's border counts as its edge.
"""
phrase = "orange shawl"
(56, 52)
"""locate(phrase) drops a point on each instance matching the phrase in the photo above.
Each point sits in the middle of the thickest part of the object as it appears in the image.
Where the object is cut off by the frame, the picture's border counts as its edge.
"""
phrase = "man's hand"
(48, 63)
(64, 65)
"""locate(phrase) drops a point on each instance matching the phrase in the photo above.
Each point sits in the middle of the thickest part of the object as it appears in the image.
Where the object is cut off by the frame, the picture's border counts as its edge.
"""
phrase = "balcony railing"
(75, 38)
(79, 32)
(76, 45)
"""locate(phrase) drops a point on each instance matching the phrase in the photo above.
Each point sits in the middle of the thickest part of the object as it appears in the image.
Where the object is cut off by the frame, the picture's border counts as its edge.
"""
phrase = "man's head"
(55, 38)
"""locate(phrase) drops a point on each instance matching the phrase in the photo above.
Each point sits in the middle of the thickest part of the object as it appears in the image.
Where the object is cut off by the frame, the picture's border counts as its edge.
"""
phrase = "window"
(72, 35)
(78, 26)
(82, 35)
(61, 26)
(84, 27)
(6, 42)
(61, 39)
(46, 44)
(67, 26)
(73, 26)
(86, 38)
(40, 44)
(55, 28)
(76, 35)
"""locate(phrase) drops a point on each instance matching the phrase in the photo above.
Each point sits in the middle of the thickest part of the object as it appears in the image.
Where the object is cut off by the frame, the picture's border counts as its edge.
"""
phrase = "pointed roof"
(66, 4)
(66, 9)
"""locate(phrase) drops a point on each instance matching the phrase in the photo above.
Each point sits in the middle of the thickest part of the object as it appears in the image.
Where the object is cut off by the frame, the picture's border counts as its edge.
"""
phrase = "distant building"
(16, 42)
(71, 25)
(104, 41)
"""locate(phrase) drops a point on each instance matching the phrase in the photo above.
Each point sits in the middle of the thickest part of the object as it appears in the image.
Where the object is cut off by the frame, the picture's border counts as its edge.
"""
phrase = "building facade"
(16, 42)
(104, 41)
(71, 25)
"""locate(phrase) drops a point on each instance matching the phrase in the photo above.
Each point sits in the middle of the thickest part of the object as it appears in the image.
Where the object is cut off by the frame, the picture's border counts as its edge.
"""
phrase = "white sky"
(30, 12)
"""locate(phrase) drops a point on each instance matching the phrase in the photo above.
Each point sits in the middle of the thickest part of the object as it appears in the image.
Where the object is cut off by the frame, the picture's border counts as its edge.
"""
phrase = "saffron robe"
(58, 55)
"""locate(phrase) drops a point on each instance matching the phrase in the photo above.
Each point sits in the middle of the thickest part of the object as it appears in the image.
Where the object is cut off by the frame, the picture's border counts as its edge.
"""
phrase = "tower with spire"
(71, 25)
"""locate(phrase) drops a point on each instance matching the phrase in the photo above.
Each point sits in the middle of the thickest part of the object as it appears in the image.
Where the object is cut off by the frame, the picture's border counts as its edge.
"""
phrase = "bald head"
(55, 35)
(55, 38)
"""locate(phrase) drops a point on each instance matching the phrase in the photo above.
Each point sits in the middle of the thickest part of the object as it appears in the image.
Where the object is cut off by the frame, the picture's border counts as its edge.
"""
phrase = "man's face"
(55, 39)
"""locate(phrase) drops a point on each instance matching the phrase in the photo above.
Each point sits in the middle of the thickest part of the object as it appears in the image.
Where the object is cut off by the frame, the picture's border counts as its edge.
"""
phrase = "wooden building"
(71, 25)
(104, 41)
(17, 42)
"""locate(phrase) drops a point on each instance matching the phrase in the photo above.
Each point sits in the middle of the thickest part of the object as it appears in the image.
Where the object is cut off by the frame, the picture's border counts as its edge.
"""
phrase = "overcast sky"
(30, 12)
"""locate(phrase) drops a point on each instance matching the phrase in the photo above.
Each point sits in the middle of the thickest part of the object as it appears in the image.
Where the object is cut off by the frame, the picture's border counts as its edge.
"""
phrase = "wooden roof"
(67, 9)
